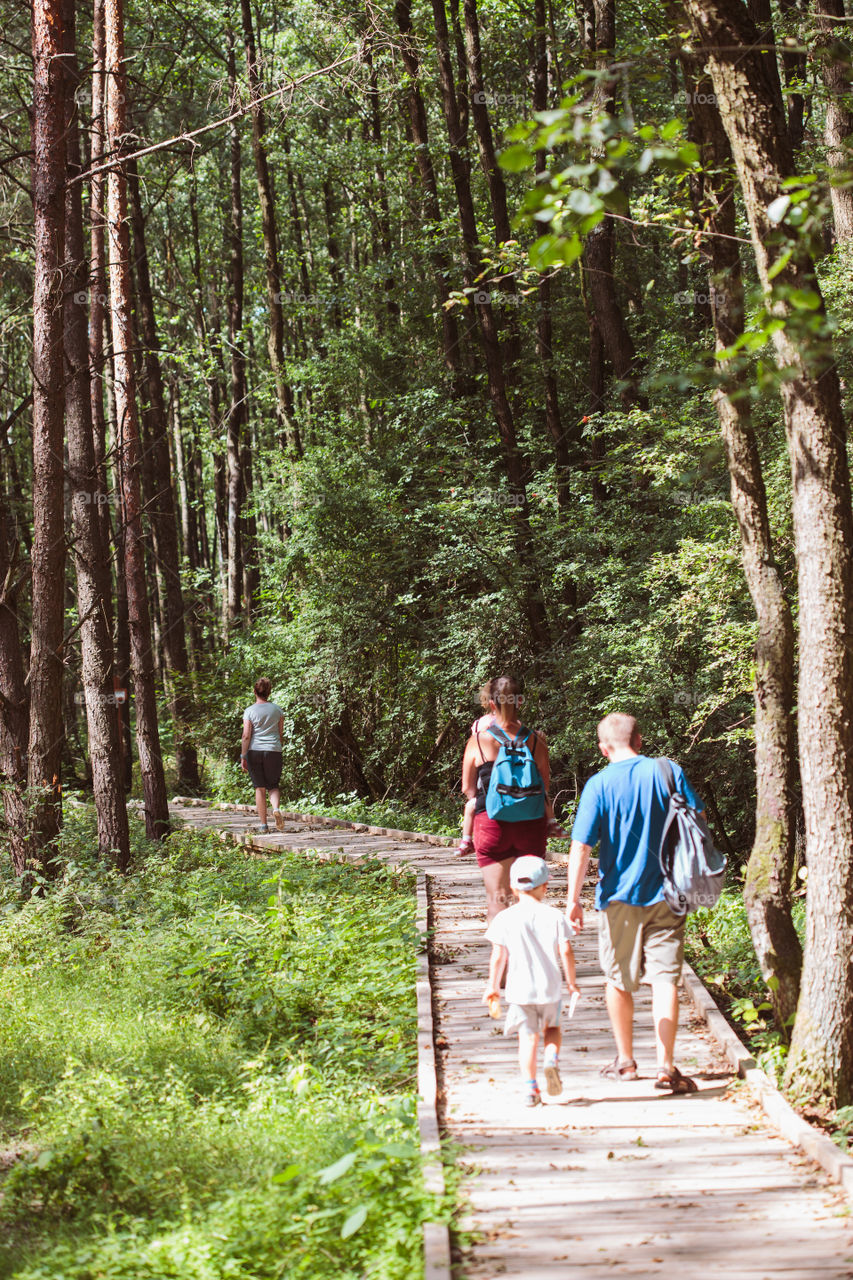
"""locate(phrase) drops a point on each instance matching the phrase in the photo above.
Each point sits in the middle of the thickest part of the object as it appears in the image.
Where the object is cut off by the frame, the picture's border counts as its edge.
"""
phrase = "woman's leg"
(261, 802)
(496, 882)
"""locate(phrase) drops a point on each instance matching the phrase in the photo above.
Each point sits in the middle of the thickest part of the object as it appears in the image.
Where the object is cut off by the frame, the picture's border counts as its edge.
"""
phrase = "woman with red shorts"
(497, 844)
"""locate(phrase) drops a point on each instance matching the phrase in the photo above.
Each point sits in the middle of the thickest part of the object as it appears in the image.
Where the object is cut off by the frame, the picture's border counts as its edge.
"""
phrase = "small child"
(466, 844)
(537, 940)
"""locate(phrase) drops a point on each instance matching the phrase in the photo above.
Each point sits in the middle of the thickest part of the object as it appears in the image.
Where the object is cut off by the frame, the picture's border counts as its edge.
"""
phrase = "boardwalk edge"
(778, 1110)
(436, 1235)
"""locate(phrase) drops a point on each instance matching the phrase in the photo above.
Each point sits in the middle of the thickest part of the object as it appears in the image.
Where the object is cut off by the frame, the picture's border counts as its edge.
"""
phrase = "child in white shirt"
(536, 940)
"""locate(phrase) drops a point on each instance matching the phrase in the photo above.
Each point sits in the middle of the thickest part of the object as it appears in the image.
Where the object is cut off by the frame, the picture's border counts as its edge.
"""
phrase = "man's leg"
(275, 797)
(620, 1007)
(665, 1011)
(261, 802)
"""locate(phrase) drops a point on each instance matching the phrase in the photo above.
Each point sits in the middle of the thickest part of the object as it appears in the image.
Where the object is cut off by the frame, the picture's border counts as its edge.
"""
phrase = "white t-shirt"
(533, 933)
(264, 717)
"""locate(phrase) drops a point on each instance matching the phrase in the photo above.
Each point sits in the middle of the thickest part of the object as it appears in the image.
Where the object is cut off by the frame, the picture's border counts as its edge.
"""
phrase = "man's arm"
(496, 967)
(578, 863)
(245, 743)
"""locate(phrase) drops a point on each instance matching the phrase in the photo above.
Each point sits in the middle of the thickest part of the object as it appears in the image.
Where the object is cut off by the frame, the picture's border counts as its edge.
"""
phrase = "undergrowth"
(207, 1069)
(719, 948)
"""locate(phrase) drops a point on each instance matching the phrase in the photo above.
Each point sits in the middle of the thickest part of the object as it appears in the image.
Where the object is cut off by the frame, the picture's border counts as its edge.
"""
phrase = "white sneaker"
(279, 819)
(552, 1078)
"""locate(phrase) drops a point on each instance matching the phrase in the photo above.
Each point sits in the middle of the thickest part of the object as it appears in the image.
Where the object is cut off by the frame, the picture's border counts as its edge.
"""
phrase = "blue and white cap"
(529, 872)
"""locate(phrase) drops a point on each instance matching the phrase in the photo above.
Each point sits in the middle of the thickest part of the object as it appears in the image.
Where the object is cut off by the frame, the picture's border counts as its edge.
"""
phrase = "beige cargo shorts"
(640, 944)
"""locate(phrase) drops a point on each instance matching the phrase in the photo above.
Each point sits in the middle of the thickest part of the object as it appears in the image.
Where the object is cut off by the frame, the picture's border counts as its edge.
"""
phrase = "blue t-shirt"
(624, 808)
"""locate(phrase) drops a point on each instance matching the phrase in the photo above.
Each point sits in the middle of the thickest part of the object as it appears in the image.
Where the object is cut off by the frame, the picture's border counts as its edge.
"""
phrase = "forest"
(383, 348)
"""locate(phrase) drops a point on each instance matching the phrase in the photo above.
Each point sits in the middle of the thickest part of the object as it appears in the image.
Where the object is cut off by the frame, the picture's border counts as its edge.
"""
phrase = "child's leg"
(553, 1039)
(466, 844)
(528, 1044)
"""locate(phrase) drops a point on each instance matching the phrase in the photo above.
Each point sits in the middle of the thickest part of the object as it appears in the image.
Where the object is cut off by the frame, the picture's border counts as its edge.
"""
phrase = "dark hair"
(505, 691)
(263, 687)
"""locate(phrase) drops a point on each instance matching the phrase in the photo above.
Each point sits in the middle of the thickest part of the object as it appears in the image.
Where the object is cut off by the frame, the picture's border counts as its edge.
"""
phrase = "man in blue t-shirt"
(622, 809)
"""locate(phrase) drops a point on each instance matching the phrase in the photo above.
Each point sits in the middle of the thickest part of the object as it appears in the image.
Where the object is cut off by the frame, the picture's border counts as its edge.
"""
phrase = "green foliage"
(720, 949)
(189, 1052)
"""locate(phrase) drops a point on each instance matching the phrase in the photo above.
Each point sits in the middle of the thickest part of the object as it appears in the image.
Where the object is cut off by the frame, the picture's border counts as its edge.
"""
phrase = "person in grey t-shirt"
(260, 751)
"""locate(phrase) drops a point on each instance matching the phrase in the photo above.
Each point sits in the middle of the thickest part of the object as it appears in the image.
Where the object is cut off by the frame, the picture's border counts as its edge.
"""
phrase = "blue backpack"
(516, 792)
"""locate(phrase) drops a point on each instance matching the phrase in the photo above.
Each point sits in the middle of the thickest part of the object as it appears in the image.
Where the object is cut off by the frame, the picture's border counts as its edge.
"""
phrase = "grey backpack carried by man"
(693, 870)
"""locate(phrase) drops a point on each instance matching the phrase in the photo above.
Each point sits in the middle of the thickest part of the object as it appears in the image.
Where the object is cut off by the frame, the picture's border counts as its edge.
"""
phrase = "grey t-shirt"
(264, 718)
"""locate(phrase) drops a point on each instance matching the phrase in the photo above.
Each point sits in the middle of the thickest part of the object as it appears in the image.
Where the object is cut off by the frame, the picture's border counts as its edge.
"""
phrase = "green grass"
(185, 1051)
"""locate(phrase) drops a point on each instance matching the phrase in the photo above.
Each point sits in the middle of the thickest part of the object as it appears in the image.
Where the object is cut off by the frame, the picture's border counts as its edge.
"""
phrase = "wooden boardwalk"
(607, 1180)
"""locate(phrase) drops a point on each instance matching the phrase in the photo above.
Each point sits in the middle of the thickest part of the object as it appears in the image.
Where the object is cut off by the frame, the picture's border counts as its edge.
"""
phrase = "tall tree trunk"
(599, 248)
(48, 551)
(544, 321)
(533, 603)
(14, 705)
(91, 564)
(237, 415)
(767, 888)
(98, 274)
(420, 137)
(161, 508)
(835, 52)
(139, 618)
(121, 637)
(794, 67)
(820, 1063)
(288, 426)
(375, 131)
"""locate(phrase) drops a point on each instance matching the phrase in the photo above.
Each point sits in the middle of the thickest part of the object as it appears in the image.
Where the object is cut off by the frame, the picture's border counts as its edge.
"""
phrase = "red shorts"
(496, 841)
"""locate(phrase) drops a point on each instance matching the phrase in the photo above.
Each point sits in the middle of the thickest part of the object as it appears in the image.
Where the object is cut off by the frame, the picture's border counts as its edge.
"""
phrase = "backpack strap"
(499, 736)
(666, 771)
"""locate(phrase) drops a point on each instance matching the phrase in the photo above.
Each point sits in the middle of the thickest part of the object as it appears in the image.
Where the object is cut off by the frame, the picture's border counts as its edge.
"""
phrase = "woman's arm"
(543, 760)
(245, 743)
(469, 770)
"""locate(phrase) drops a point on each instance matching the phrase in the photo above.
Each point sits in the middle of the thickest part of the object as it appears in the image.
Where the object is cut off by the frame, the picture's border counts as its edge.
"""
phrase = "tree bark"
(161, 507)
(767, 888)
(127, 422)
(544, 321)
(288, 426)
(599, 249)
(237, 416)
(820, 1063)
(98, 273)
(794, 67)
(835, 52)
(91, 564)
(48, 550)
(14, 704)
(420, 137)
(533, 603)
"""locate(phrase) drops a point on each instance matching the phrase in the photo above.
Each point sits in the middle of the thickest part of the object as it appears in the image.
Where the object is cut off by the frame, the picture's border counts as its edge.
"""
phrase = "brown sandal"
(675, 1082)
(616, 1070)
